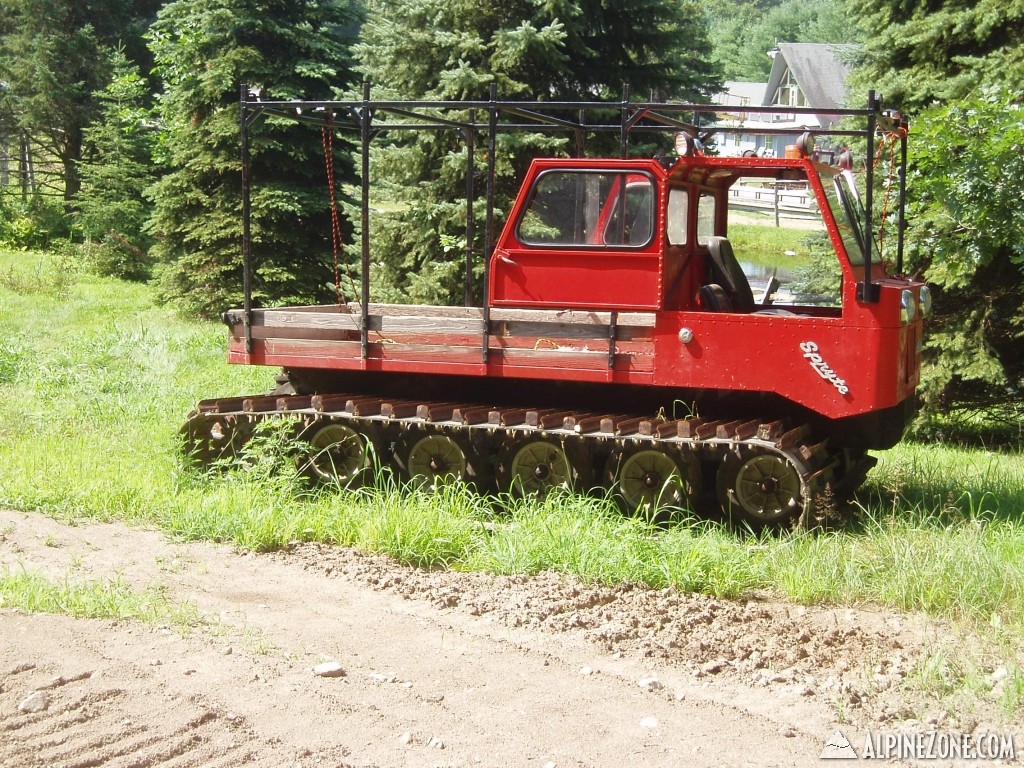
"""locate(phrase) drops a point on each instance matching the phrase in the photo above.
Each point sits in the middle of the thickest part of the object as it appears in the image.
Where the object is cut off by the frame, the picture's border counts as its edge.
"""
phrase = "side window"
(706, 210)
(558, 214)
(587, 208)
(678, 207)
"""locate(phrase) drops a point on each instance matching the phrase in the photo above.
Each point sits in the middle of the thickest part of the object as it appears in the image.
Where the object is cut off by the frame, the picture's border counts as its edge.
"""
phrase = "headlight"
(924, 297)
(908, 307)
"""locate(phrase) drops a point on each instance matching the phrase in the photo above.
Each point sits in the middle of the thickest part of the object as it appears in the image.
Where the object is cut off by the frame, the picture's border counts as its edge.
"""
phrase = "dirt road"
(438, 668)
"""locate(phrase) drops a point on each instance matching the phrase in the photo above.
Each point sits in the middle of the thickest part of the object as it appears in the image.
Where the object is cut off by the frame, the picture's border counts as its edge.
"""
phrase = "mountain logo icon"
(838, 747)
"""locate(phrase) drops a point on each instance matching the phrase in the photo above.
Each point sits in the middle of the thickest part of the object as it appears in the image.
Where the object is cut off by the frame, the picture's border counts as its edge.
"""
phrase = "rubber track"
(379, 418)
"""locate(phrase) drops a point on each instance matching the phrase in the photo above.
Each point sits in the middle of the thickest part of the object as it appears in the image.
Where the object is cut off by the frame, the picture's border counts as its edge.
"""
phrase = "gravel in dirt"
(321, 656)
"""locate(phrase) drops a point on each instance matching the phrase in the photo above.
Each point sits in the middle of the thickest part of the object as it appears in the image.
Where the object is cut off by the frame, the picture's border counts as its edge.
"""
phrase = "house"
(803, 75)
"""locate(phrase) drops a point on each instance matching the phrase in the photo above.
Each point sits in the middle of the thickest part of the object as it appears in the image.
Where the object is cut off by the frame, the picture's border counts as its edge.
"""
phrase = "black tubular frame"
(372, 118)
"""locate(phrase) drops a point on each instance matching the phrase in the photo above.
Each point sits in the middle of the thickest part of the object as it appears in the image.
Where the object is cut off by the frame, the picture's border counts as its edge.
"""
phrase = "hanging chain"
(889, 139)
(327, 135)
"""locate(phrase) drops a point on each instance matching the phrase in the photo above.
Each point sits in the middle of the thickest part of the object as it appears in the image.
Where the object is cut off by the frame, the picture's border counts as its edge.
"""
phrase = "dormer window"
(788, 94)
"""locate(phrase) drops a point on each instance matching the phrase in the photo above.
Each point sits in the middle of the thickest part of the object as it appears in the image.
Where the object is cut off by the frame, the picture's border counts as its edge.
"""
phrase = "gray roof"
(820, 70)
(740, 93)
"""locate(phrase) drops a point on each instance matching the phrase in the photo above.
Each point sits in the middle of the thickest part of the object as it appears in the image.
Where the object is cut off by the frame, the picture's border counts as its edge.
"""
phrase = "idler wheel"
(338, 453)
(436, 459)
(535, 466)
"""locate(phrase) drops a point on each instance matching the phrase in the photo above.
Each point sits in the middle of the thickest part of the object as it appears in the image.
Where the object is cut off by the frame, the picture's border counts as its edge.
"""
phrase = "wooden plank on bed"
(286, 318)
(573, 317)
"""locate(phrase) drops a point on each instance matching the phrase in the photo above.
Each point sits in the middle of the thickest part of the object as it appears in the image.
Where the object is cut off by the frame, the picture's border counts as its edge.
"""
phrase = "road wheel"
(534, 466)
(760, 487)
(431, 460)
(647, 480)
(337, 453)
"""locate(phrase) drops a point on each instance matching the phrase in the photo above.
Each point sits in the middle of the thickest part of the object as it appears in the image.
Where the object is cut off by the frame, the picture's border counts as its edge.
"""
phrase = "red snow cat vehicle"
(633, 337)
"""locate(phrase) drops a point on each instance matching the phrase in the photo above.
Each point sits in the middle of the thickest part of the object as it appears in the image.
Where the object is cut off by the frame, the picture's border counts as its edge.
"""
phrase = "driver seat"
(725, 270)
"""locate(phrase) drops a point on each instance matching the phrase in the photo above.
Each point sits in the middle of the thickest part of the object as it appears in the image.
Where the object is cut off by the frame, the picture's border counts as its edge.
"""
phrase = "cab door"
(582, 238)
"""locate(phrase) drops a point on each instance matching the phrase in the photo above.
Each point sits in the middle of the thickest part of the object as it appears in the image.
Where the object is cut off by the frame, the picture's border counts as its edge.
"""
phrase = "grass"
(95, 380)
(109, 599)
(765, 244)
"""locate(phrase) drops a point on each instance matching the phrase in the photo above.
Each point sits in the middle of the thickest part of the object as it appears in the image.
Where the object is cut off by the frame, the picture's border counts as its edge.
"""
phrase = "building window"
(788, 94)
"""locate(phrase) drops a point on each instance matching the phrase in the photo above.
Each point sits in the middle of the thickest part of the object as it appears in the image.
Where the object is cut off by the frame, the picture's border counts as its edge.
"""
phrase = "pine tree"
(561, 49)
(927, 51)
(117, 168)
(52, 60)
(744, 32)
(203, 50)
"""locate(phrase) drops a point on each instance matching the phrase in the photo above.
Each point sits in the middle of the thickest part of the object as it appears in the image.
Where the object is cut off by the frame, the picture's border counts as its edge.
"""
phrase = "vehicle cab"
(763, 272)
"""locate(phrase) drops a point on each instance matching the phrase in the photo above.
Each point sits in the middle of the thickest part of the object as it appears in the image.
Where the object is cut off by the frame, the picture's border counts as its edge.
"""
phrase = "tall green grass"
(96, 379)
(95, 382)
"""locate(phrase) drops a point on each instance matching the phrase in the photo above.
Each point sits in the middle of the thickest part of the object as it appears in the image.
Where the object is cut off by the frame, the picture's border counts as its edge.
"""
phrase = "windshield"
(848, 212)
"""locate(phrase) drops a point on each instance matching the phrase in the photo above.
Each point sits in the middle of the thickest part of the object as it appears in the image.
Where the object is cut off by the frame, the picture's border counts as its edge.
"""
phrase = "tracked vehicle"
(620, 343)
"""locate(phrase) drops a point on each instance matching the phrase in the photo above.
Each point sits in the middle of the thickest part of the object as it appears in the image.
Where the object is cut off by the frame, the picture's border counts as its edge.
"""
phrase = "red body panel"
(807, 360)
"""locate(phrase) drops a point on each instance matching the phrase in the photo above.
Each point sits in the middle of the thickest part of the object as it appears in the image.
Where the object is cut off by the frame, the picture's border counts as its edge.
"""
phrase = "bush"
(116, 256)
(967, 239)
(34, 223)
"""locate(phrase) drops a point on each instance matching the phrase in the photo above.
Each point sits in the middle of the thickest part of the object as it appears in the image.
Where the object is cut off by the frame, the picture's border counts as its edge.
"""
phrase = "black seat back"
(725, 270)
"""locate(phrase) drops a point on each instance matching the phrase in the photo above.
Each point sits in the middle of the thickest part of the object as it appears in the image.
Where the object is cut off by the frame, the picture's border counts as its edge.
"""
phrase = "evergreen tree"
(455, 49)
(927, 51)
(742, 32)
(116, 169)
(204, 49)
(562, 49)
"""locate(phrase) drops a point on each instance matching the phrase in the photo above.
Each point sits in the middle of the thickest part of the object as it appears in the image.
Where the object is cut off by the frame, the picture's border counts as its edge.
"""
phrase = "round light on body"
(908, 307)
(685, 144)
(924, 297)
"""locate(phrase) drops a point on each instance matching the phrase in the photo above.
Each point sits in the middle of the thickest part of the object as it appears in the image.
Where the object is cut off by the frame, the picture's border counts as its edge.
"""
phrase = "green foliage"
(966, 176)
(967, 239)
(819, 278)
(562, 50)
(35, 221)
(921, 53)
(203, 50)
(116, 170)
(436, 49)
(52, 59)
